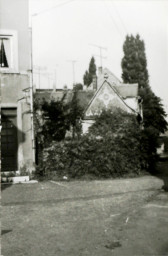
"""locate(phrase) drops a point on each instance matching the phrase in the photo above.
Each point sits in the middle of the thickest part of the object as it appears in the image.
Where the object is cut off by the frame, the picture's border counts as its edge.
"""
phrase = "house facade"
(17, 150)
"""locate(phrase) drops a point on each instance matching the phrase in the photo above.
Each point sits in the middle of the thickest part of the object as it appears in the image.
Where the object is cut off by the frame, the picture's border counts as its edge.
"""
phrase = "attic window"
(5, 52)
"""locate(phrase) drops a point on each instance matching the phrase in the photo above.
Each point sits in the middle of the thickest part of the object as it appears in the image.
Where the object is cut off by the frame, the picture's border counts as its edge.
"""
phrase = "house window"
(8, 51)
(5, 52)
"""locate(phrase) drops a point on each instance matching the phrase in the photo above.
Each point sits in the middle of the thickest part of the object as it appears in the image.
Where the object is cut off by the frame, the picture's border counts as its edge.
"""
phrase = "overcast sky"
(65, 30)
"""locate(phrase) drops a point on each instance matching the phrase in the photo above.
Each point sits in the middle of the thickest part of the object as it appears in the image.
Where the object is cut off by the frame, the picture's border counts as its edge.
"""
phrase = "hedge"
(110, 149)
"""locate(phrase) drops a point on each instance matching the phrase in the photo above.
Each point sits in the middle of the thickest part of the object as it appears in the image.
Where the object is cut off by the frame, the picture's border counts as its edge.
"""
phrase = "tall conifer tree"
(134, 70)
(134, 67)
(134, 63)
(87, 78)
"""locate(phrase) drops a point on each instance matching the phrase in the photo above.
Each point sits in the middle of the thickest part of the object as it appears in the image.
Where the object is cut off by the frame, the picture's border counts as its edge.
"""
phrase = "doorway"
(9, 142)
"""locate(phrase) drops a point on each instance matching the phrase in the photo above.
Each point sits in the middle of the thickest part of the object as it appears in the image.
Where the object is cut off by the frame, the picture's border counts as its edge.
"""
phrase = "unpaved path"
(95, 218)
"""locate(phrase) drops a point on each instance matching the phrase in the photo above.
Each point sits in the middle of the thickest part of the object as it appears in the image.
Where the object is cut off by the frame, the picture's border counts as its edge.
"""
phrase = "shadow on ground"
(162, 172)
(5, 231)
(4, 186)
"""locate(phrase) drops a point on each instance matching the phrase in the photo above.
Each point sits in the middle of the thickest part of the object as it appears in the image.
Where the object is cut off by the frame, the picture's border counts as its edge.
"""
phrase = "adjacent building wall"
(14, 15)
(15, 81)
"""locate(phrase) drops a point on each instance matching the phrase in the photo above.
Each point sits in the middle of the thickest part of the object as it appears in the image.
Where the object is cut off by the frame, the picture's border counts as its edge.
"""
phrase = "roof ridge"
(112, 74)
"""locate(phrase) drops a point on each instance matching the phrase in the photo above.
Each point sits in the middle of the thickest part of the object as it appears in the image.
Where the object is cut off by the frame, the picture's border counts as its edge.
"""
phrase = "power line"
(55, 77)
(113, 20)
(73, 69)
(54, 7)
(122, 22)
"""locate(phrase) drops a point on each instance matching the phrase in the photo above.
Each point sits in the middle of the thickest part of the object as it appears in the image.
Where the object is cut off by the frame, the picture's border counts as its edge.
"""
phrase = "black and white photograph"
(84, 127)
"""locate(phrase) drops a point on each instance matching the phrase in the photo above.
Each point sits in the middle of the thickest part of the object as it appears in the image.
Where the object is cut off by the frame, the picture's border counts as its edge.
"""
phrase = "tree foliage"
(153, 111)
(134, 70)
(54, 118)
(134, 66)
(87, 78)
(78, 86)
(134, 62)
(75, 114)
(92, 66)
(53, 121)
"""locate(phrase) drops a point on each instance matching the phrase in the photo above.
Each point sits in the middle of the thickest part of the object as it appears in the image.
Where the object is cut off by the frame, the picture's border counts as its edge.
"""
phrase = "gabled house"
(110, 93)
(105, 92)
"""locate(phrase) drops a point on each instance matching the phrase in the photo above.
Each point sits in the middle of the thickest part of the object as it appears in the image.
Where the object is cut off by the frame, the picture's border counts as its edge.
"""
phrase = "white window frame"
(13, 37)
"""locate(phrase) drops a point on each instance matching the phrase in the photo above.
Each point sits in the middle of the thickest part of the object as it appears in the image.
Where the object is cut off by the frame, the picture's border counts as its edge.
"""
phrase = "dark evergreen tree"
(92, 66)
(134, 70)
(87, 78)
(78, 87)
(134, 66)
(134, 63)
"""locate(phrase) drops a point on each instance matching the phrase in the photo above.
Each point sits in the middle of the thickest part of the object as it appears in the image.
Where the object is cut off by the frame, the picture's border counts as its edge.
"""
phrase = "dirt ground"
(96, 218)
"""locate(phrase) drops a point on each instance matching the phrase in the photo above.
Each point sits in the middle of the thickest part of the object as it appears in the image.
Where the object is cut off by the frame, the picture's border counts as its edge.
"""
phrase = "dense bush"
(110, 149)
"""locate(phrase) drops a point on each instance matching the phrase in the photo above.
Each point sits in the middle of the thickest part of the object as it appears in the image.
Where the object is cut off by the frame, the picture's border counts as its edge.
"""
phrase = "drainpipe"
(31, 91)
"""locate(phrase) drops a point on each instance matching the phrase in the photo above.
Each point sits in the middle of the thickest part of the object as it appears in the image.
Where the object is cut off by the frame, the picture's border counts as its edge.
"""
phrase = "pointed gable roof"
(106, 97)
(112, 79)
(124, 90)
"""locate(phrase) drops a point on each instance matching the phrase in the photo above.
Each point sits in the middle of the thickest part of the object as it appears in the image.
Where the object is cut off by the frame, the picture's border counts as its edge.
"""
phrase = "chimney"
(100, 70)
(94, 82)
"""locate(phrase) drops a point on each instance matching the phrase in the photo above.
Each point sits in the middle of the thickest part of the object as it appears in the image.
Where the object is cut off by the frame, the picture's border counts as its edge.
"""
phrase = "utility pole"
(31, 91)
(100, 55)
(55, 78)
(73, 69)
(51, 78)
(39, 73)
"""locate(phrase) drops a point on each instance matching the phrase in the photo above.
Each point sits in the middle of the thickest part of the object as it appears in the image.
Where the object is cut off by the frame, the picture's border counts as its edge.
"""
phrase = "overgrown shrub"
(110, 149)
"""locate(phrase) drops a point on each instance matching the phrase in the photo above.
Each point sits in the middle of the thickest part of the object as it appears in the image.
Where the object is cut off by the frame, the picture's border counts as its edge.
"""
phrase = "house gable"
(111, 78)
(105, 98)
